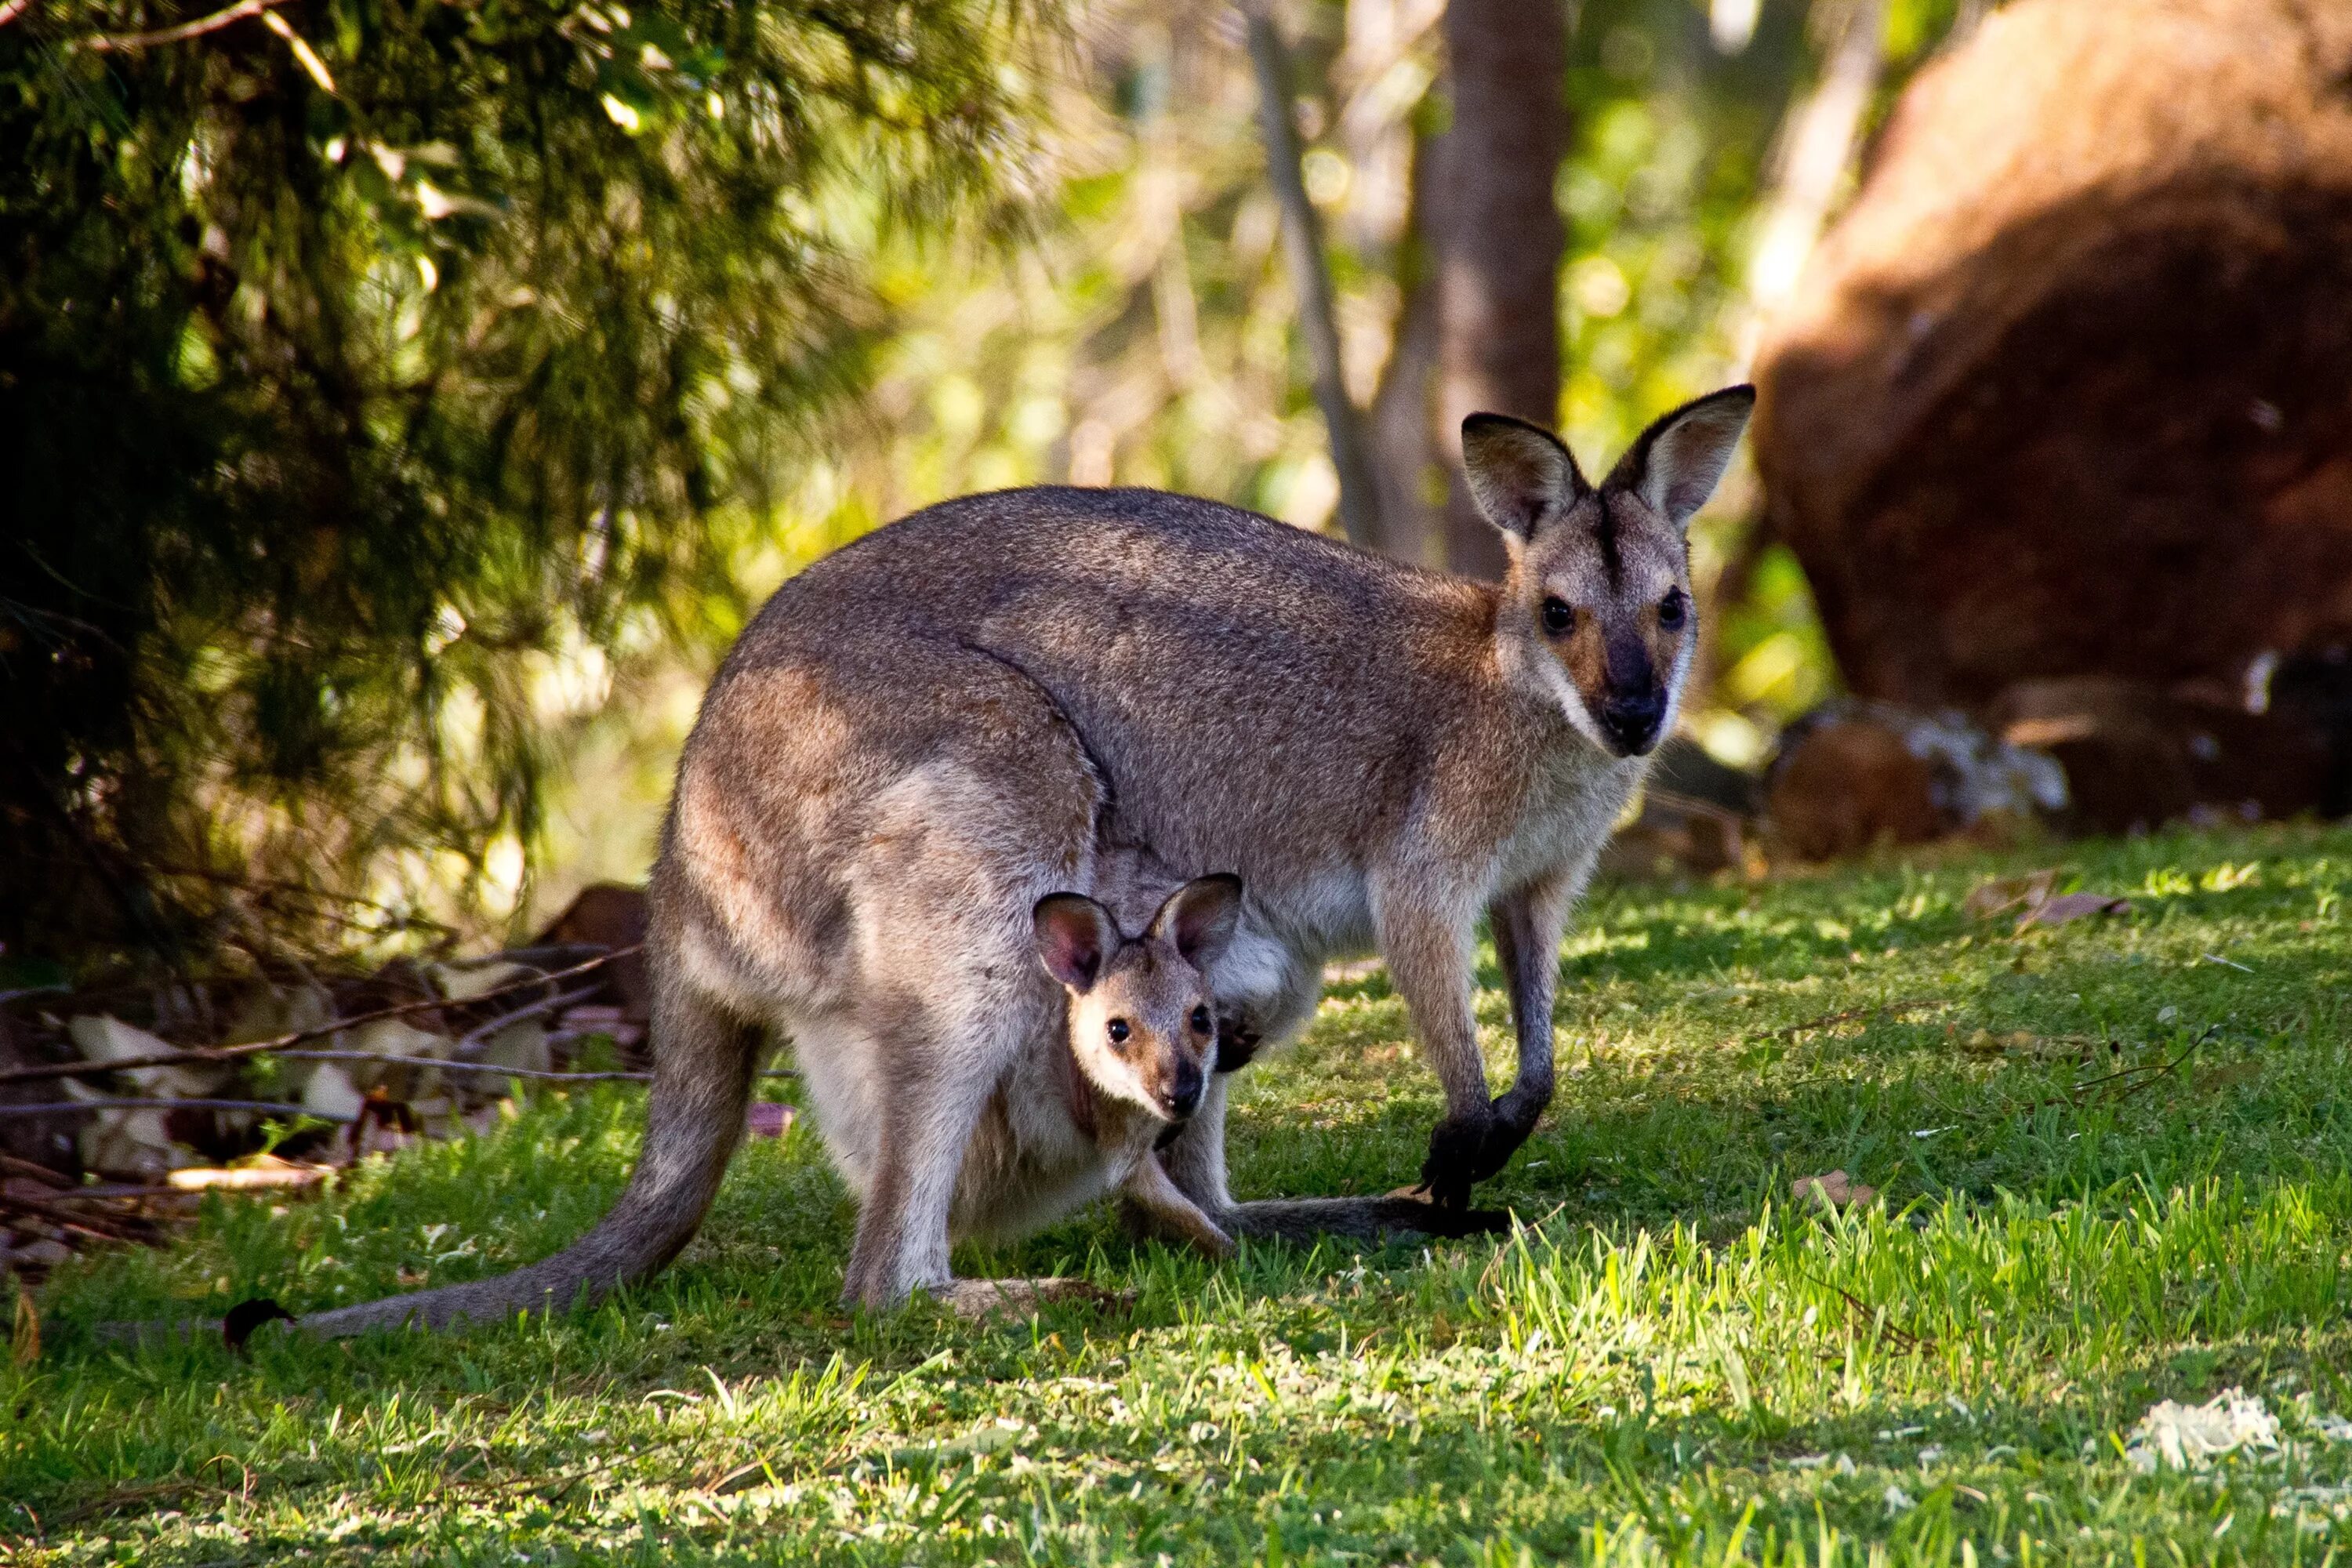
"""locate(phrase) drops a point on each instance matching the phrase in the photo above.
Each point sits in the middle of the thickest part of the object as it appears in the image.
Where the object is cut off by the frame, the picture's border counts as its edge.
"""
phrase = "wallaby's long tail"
(1308, 1219)
(703, 1067)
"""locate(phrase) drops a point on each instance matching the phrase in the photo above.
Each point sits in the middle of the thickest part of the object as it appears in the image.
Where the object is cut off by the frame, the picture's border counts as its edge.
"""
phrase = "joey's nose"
(1632, 723)
(1184, 1094)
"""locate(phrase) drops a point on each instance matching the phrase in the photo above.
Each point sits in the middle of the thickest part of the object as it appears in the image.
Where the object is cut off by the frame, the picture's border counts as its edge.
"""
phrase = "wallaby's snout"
(1142, 1021)
(1184, 1093)
(1632, 706)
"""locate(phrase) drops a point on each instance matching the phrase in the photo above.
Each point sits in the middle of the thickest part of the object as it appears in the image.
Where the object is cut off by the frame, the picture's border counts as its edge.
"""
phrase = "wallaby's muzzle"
(1631, 723)
(1184, 1089)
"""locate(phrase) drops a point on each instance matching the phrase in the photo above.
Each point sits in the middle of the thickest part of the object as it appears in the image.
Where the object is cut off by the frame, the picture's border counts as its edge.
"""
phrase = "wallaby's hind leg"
(926, 1126)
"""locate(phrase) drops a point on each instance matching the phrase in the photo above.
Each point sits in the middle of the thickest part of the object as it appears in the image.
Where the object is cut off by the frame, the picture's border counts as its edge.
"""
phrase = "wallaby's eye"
(1558, 617)
(1200, 1024)
(1673, 609)
(1120, 1031)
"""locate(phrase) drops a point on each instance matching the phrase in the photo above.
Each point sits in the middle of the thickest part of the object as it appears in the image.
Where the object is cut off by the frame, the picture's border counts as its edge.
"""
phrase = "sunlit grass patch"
(2111, 1168)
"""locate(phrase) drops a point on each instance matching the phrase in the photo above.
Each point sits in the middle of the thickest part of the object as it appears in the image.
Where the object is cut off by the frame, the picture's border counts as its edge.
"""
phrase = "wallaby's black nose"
(1184, 1095)
(1632, 723)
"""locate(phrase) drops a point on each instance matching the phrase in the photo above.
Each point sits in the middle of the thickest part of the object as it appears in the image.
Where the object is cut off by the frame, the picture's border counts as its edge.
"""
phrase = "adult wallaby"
(928, 731)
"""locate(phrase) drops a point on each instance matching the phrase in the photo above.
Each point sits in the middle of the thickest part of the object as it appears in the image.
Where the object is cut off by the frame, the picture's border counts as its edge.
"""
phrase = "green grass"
(1670, 1361)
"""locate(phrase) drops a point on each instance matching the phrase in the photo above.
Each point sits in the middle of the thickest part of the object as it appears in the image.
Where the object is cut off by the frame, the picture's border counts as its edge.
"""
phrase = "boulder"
(2067, 392)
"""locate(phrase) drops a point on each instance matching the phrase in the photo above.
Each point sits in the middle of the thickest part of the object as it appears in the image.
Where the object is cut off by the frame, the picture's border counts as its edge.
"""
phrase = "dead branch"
(100, 44)
(1310, 270)
(211, 1054)
(491, 1068)
(128, 1102)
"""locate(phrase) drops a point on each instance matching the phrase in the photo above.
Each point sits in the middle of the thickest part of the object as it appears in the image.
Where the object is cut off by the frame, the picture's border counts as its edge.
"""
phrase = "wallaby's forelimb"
(927, 1125)
(1426, 944)
(1528, 926)
(704, 1063)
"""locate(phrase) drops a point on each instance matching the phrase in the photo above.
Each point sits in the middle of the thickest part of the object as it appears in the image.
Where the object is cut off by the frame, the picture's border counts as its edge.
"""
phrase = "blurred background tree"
(372, 373)
(406, 407)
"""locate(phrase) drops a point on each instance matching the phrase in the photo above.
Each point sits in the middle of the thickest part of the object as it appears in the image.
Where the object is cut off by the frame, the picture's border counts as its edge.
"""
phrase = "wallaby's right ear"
(1519, 475)
(1199, 917)
(1076, 937)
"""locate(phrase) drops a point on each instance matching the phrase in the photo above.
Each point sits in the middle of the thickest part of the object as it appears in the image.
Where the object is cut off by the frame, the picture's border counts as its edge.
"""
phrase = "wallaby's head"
(1142, 1024)
(1597, 605)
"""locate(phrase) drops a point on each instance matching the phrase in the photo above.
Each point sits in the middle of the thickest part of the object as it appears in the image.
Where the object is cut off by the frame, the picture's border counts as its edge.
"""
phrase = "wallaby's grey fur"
(934, 728)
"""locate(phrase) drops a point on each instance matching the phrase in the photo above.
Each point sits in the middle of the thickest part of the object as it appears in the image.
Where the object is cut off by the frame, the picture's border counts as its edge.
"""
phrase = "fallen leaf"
(520, 1045)
(101, 1037)
(464, 981)
(1999, 895)
(2192, 1437)
(1835, 1190)
(768, 1119)
(2068, 907)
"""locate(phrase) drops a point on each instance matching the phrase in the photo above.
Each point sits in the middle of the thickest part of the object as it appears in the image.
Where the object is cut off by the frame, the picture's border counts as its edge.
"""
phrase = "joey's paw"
(975, 1299)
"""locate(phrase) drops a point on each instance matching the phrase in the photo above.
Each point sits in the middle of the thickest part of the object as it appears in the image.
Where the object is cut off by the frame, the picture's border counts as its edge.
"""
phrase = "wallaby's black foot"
(1465, 1151)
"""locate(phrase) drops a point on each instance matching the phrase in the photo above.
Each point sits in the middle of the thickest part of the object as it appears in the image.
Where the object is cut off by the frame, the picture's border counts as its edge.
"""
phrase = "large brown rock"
(2068, 390)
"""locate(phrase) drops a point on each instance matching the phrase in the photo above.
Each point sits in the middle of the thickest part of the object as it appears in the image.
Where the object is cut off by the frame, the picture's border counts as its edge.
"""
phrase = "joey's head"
(1596, 609)
(1142, 1024)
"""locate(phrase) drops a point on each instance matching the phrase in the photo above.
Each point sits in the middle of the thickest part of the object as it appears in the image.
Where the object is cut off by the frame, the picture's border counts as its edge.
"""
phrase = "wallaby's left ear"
(1677, 463)
(1199, 917)
(1518, 474)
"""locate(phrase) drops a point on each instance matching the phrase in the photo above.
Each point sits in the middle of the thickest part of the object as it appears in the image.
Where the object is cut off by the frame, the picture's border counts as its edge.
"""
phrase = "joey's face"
(1142, 1020)
(1596, 611)
(1146, 1032)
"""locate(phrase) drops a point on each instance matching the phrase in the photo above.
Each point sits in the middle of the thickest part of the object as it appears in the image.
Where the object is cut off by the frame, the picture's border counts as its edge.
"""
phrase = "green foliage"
(367, 374)
(1672, 1364)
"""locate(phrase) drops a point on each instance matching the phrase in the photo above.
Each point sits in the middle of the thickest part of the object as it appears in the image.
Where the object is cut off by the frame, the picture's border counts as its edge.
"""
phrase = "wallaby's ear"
(1518, 474)
(1677, 462)
(1199, 917)
(1076, 937)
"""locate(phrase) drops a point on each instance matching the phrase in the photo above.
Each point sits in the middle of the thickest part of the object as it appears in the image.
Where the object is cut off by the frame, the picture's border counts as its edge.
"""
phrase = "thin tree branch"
(102, 43)
(491, 1068)
(113, 1102)
(279, 1043)
(1302, 233)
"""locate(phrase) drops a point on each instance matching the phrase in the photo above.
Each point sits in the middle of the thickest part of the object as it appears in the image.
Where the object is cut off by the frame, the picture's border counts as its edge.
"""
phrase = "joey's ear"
(1518, 474)
(1199, 917)
(1676, 463)
(1076, 937)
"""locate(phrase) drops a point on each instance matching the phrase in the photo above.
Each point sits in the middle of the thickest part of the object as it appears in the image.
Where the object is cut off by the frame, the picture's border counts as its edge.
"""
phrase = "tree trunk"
(1502, 239)
(1310, 276)
(1403, 414)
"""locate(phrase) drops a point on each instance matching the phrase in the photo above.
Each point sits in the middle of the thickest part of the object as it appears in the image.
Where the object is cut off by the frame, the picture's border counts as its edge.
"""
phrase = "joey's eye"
(1201, 1024)
(1674, 609)
(1558, 617)
(1120, 1031)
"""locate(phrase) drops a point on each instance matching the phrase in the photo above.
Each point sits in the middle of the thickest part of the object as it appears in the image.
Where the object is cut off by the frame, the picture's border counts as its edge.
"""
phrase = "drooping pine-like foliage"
(360, 360)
